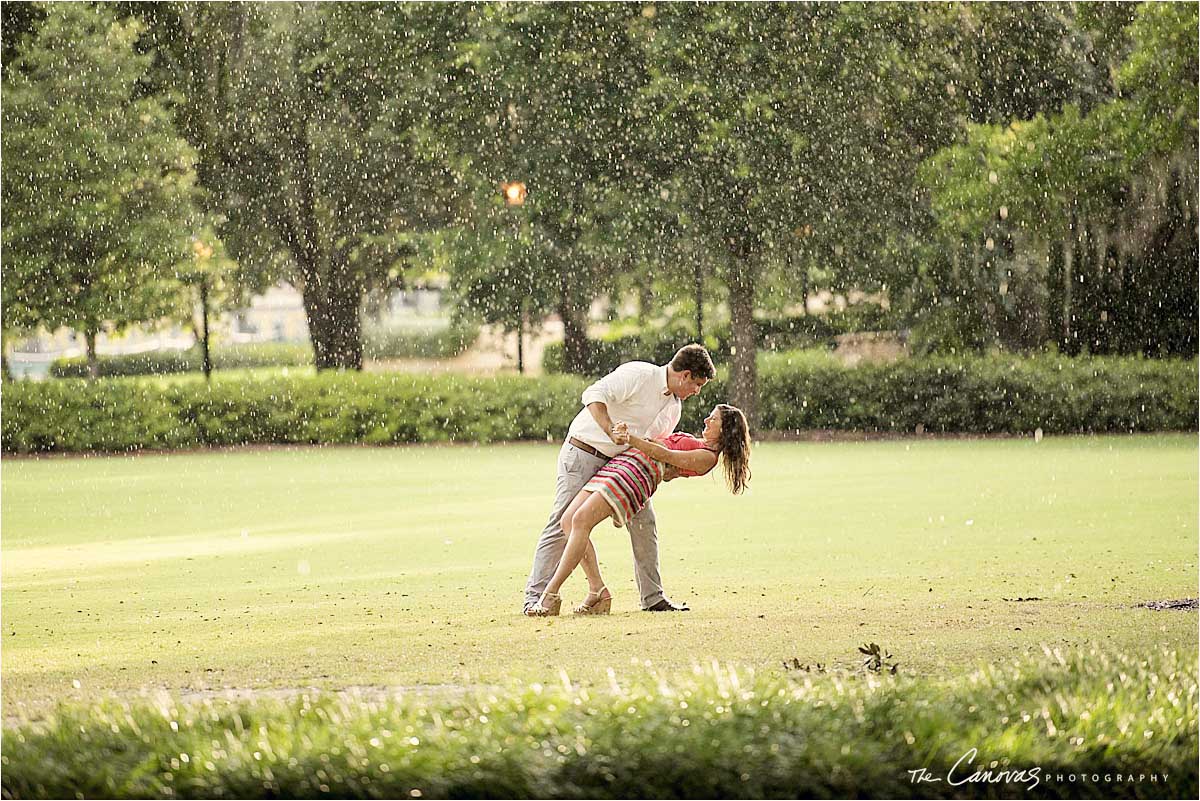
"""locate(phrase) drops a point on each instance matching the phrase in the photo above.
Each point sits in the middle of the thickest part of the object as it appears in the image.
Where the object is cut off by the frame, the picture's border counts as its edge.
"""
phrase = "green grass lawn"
(394, 567)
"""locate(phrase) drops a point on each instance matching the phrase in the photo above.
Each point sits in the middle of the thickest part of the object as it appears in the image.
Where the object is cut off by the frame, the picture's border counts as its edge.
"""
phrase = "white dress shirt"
(635, 393)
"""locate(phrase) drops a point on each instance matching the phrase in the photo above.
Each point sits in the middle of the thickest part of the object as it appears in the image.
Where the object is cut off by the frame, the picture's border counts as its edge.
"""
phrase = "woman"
(623, 486)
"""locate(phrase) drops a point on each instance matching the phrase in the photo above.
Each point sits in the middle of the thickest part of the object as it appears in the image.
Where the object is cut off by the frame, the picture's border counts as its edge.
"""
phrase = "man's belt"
(583, 446)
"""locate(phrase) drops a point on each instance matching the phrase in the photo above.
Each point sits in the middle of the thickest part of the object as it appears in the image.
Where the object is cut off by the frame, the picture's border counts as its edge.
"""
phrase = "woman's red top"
(679, 441)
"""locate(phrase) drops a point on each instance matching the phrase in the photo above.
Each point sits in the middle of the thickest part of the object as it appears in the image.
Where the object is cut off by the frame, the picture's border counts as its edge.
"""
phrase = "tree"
(1080, 224)
(548, 100)
(713, 104)
(99, 190)
(778, 119)
(209, 274)
(18, 20)
(498, 276)
(201, 54)
(313, 122)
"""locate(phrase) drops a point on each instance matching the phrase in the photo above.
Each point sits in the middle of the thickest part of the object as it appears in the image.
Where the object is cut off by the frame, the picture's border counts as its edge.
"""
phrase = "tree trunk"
(645, 304)
(1053, 281)
(332, 293)
(521, 340)
(331, 305)
(573, 313)
(93, 361)
(1085, 291)
(575, 341)
(743, 383)
(206, 357)
(804, 286)
(1067, 280)
(982, 286)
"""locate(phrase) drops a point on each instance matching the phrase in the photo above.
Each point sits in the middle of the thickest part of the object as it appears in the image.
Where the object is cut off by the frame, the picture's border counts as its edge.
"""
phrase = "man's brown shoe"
(667, 606)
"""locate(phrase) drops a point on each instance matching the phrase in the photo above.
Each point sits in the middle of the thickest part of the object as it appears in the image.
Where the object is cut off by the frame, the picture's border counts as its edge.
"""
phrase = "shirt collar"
(666, 386)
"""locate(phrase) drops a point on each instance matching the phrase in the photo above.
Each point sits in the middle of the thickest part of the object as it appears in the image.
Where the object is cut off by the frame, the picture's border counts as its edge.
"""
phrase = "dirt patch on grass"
(1182, 604)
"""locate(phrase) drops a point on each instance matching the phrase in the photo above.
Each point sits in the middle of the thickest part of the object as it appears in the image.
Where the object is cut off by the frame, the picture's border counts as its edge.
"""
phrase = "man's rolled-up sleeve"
(616, 387)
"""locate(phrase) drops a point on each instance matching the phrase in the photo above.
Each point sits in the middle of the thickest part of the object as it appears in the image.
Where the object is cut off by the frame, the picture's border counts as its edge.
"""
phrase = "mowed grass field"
(404, 567)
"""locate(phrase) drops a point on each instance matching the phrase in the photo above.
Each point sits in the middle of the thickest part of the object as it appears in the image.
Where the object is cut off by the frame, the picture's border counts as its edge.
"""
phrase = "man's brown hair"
(696, 360)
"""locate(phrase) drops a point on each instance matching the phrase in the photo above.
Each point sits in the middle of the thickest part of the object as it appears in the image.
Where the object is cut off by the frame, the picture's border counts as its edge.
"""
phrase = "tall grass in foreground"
(1086, 724)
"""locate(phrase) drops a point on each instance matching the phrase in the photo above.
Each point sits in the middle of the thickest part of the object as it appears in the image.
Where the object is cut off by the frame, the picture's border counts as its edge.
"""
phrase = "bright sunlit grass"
(399, 567)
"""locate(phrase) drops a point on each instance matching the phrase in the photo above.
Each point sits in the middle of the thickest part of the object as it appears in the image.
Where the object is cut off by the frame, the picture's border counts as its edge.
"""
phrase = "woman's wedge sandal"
(601, 605)
(548, 605)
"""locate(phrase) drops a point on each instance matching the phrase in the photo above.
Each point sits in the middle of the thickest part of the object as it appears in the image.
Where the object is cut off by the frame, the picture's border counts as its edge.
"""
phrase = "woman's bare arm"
(698, 461)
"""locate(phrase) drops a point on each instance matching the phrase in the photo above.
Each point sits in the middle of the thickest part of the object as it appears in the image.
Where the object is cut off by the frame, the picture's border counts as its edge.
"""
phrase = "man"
(649, 399)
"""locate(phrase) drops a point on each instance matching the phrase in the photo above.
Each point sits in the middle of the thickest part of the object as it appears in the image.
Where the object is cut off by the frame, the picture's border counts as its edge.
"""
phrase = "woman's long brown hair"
(735, 447)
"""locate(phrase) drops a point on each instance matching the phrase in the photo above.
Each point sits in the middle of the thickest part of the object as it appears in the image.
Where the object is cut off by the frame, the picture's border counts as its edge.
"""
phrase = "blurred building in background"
(277, 315)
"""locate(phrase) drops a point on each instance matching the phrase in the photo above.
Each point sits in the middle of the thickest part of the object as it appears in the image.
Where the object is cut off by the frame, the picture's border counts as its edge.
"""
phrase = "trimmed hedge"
(798, 391)
(75, 415)
(997, 394)
(983, 394)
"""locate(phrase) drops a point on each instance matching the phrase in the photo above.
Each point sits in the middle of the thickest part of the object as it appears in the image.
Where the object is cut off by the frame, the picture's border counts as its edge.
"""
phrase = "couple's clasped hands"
(620, 435)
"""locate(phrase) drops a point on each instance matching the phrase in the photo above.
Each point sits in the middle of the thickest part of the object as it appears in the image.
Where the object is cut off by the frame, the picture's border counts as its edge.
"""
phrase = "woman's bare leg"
(591, 568)
(590, 562)
(566, 522)
(583, 520)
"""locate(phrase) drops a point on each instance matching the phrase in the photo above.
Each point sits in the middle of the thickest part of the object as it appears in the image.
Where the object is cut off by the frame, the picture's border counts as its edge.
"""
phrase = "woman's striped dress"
(629, 479)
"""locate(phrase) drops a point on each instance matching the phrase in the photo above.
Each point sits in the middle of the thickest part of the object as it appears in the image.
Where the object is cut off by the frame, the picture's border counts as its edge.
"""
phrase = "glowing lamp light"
(514, 193)
(202, 251)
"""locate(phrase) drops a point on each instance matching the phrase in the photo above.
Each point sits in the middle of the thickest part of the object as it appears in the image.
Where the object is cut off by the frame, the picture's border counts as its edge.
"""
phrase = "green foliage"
(948, 329)
(731, 148)
(1019, 60)
(99, 191)
(720, 732)
(982, 394)
(811, 390)
(1078, 223)
(801, 391)
(510, 110)
(1161, 70)
(655, 345)
(315, 125)
(123, 414)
